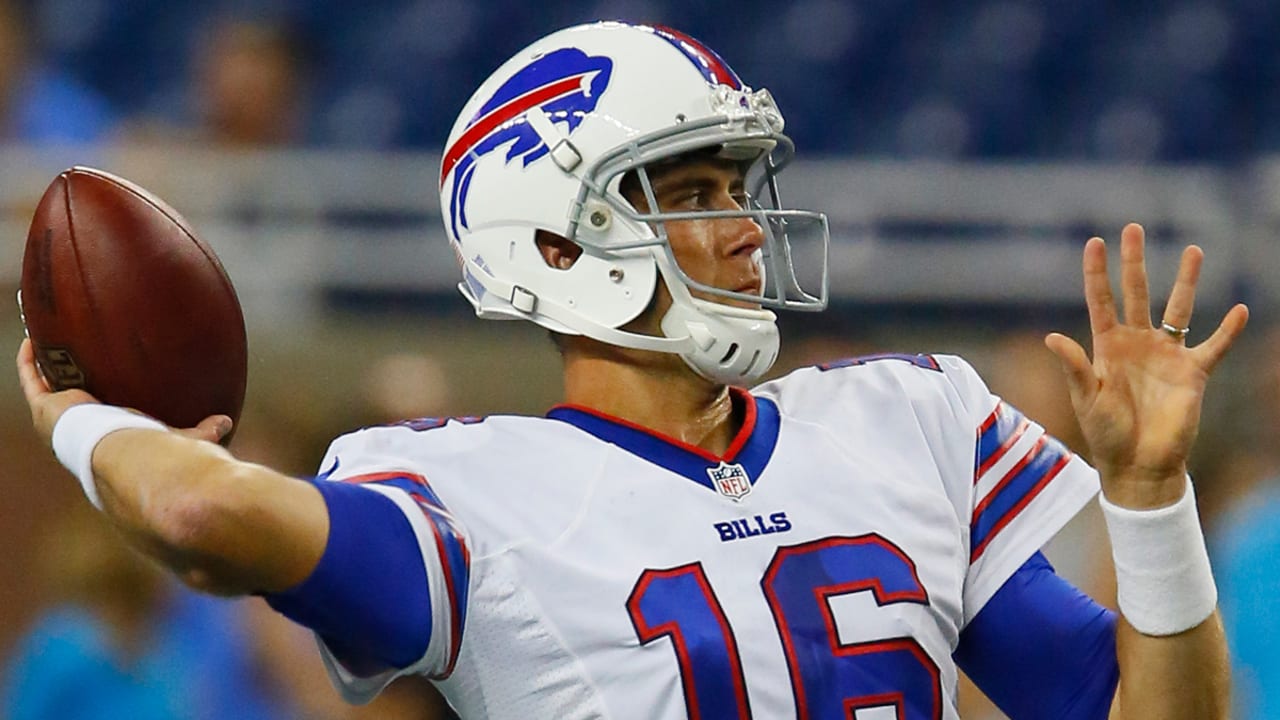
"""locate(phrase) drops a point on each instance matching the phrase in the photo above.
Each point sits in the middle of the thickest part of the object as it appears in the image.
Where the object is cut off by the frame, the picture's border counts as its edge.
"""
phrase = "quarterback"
(675, 540)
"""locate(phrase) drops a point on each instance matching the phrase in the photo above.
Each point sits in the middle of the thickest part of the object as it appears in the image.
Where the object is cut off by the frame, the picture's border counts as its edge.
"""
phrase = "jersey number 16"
(831, 680)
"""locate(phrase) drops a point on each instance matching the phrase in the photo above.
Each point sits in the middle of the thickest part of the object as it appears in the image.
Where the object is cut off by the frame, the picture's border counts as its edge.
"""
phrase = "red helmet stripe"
(514, 108)
(713, 63)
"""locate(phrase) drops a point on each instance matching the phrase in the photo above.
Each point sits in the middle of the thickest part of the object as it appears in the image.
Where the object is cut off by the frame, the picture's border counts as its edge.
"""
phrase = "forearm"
(1176, 677)
(221, 525)
(1170, 645)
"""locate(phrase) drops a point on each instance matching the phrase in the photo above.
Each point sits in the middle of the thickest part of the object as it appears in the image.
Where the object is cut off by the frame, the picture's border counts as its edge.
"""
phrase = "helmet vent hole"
(728, 356)
(755, 357)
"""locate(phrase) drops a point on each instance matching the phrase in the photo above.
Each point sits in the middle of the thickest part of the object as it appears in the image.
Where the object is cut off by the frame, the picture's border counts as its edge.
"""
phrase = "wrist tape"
(80, 429)
(1164, 584)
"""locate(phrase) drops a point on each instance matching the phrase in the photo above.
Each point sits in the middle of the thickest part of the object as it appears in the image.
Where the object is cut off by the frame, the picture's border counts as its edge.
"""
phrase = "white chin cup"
(731, 345)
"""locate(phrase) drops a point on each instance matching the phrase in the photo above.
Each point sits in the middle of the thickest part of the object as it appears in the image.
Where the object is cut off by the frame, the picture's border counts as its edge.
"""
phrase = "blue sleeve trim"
(1041, 648)
(368, 597)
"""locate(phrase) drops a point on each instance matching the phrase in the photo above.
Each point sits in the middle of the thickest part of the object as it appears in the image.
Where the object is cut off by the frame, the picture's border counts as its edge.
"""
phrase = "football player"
(836, 543)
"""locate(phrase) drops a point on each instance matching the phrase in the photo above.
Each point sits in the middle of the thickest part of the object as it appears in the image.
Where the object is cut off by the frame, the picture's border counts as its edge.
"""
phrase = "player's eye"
(705, 197)
(690, 199)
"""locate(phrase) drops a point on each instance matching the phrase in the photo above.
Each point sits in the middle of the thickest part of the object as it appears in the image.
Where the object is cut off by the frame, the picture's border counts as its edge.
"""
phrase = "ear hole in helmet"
(557, 252)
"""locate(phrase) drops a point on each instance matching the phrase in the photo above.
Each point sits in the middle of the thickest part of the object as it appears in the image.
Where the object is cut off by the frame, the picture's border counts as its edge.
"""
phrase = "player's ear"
(557, 252)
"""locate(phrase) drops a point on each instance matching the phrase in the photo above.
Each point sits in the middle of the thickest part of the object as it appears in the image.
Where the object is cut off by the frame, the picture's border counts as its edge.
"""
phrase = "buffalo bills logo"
(566, 84)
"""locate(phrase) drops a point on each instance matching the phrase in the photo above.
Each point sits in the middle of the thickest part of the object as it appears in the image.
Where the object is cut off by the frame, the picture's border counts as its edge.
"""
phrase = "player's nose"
(745, 237)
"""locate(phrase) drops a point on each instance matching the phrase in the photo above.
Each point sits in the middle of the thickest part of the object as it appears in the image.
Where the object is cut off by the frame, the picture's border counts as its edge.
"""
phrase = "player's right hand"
(211, 429)
(47, 405)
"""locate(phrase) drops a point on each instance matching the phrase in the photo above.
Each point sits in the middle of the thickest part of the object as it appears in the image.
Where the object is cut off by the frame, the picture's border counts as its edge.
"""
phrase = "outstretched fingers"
(1210, 352)
(1133, 277)
(1182, 299)
(1097, 287)
(1082, 382)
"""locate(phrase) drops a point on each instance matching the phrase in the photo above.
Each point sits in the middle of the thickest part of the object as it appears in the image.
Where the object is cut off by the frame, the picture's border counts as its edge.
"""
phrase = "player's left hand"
(1138, 401)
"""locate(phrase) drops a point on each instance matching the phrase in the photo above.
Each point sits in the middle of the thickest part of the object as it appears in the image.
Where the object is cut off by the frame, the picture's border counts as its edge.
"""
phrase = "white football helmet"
(544, 145)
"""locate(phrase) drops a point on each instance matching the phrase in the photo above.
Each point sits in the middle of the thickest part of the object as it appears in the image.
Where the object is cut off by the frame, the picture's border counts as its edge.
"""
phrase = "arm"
(1178, 676)
(1040, 648)
(1138, 402)
(221, 525)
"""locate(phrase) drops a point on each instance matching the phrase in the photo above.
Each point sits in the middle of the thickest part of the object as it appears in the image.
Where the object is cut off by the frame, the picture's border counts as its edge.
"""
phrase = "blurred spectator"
(38, 103)
(245, 90)
(1245, 540)
(124, 642)
(996, 78)
(248, 86)
(1247, 565)
(406, 385)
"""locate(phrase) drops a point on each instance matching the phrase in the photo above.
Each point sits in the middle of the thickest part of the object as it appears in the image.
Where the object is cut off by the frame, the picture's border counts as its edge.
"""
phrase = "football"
(121, 298)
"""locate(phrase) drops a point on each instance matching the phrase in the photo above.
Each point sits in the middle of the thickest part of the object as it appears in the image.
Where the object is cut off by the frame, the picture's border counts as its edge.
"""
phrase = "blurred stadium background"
(964, 151)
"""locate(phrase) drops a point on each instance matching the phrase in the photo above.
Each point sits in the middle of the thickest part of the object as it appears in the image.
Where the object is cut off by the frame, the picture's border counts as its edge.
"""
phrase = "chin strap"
(721, 343)
(731, 345)
(526, 305)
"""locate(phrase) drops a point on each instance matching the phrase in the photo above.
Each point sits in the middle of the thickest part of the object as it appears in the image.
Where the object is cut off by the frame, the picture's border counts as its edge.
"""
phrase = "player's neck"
(653, 390)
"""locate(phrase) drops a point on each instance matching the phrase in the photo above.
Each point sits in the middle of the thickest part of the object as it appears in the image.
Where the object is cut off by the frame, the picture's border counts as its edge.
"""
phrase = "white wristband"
(79, 431)
(1163, 580)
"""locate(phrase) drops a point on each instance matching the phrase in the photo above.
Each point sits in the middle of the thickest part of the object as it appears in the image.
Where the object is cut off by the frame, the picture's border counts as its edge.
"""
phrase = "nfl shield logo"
(730, 480)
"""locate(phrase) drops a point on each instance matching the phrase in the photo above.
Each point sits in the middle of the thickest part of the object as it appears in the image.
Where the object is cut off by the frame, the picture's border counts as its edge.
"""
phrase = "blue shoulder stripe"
(1002, 428)
(1014, 492)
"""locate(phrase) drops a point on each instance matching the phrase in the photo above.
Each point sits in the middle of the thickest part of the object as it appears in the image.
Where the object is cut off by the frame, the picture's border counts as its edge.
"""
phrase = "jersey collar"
(751, 447)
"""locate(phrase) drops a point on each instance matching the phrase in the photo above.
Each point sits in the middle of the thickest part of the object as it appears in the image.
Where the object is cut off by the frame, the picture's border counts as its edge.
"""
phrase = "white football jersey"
(582, 567)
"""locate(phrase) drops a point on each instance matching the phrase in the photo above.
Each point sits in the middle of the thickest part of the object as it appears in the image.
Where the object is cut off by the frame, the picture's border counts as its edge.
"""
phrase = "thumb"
(211, 429)
(1081, 381)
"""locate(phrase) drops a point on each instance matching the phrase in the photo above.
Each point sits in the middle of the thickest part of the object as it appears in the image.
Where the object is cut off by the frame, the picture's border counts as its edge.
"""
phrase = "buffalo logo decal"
(566, 84)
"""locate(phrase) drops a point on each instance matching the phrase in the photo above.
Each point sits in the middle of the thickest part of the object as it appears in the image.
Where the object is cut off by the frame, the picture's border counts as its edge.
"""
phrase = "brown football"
(121, 299)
